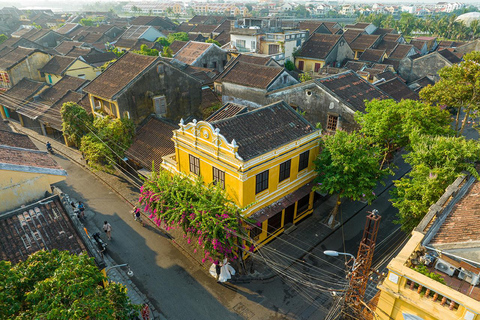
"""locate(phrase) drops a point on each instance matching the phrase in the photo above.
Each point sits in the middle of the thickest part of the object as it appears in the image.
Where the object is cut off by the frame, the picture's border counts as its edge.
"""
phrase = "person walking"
(107, 227)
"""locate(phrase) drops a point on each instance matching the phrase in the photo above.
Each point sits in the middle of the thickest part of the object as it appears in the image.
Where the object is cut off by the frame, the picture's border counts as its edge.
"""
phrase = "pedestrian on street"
(108, 229)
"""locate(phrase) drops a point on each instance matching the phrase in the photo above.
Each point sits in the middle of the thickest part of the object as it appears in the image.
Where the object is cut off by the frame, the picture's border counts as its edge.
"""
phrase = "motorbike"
(101, 245)
(50, 149)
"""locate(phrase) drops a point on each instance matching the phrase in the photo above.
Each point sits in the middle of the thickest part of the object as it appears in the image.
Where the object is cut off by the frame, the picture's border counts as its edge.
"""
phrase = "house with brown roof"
(68, 28)
(201, 54)
(248, 83)
(331, 101)
(60, 66)
(255, 59)
(364, 42)
(19, 63)
(136, 86)
(176, 45)
(153, 140)
(397, 89)
(148, 33)
(314, 26)
(26, 173)
(322, 50)
(45, 37)
(421, 46)
(351, 35)
(366, 27)
(373, 55)
(67, 45)
(162, 23)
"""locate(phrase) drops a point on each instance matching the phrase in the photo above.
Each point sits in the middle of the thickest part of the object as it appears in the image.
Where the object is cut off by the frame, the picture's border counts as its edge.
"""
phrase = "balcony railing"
(426, 293)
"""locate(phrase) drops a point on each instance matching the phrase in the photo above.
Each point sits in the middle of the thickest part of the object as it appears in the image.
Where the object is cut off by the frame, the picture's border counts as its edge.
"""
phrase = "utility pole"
(355, 294)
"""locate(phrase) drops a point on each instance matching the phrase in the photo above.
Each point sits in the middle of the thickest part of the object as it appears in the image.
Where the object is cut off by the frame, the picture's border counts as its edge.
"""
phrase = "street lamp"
(333, 253)
(129, 272)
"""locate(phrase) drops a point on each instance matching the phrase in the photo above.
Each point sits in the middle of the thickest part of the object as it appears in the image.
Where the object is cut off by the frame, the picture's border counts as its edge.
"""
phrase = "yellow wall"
(309, 64)
(200, 140)
(17, 188)
(396, 297)
(52, 78)
(77, 69)
(107, 106)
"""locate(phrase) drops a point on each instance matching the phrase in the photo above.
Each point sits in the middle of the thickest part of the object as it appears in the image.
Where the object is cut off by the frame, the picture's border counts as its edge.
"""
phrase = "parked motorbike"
(50, 149)
(101, 245)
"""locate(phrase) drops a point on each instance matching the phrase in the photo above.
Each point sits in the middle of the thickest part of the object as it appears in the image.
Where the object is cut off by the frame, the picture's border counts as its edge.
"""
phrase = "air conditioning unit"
(468, 276)
(445, 267)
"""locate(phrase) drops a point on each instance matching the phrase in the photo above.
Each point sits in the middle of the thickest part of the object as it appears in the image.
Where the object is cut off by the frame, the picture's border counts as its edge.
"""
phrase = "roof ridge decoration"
(204, 132)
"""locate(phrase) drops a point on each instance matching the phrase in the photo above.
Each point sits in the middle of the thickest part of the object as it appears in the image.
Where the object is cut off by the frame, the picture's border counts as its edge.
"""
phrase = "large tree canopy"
(60, 285)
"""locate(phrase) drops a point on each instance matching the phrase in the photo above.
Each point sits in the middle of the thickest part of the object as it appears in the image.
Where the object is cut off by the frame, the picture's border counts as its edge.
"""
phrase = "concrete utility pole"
(355, 294)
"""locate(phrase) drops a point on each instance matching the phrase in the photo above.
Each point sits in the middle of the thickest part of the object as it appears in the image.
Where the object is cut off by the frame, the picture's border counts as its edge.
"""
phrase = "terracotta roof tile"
(381, 31)
(397, 89)
(227, 111)
(24, 90)
(264, 129)
(18, 140)
(184, 27)
(119, 75)
(388, 46)
(13, 57)
(204, 28)
(125, 43)
(364, 41)
(351, 35)
(191, 51)
(209, 98)
(418, 43)
(53, 117)
(372, 55)
(55, 229)
(80, 51)
(67, 46)
(98, 59)
(58, 65)
(391, 37)
(59, 89)
(352, 89)
(152, 141)
(355, 65)
(447, 54)
(250, 75)
(176, 45)
(309, 25)
(318, 46)
(67, 28)
(27, 157)
(400, 51)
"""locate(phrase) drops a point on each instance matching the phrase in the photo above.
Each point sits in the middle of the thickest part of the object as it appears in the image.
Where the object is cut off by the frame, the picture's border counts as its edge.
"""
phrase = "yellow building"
(59, 66)
(263, 158)
(25, 172)
(444, 244)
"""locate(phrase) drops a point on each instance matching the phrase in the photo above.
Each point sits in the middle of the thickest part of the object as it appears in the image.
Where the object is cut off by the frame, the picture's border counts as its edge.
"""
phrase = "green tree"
(167, 52)
(348, 166)
(458, 89)
(87, 22)
(107, 64)
(3, 38)
(180, 36)
(169, 10)
(145, 50)
(388, 124)
(60, 285)
(117, 52)
(436, 162)
(163, 41)
(75, 121)
(301, 11)
(305, 77)
(289, 65)
(213, 41)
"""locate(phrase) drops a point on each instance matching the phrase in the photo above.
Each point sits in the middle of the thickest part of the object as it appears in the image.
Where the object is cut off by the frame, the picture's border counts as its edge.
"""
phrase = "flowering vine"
(209, 220)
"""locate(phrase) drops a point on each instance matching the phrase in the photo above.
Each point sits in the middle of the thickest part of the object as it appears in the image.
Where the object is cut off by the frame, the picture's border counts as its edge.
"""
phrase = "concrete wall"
(469, 47)
(316, 103)
(183, 94)
(252, 97)
(430, 64)
(214, 58)
(18, 188)
(29, 68)
(282, 81)
(79, 68)
(248, 42)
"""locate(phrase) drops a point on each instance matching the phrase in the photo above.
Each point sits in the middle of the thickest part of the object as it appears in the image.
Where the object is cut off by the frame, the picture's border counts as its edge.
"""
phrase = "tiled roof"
(98, 59)
(152, 141)
(264, 129)
(397, 89)
(391, 37)
(395, 63)
(177, 45)
(80, 51)
(400, 51)
(134, 32)
(191, 51)
(358, 25)
(22, 91)
(388, 46)
(20, 33)
(419, 84)
(209, 98)
(250, 58)
(381, 31)
(19, 159)
(67, 46)
(450, 44)
(204, 28)
(41, 226)
(142, 20)
(352, 89)
(364, 41)
(351, 35)
(67, 28)
(418, 43)
(387, 75)
(372, 55)
(463, 223)
(119, 75)
(447, 54)
(309, 25)
(355, 65)
(227, 111)
(18, 140)
(15, 56)
(199, 19)
(250, 75)
(52, 116)
(223, 27)
(125, 43)
(58, 65)
(90, 37)
(318, 46)
(223, 38)
(184, 27)
(59, 89)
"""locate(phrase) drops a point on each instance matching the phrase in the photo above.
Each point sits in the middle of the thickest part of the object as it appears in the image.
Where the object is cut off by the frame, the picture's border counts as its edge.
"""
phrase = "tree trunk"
(333, 214)
(457, 119)
(465, 119)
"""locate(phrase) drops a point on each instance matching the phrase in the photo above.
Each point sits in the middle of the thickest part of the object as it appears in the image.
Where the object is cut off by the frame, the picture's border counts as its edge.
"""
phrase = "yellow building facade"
(78, 69)
(260, 184)
(443, 244)
(309, 65)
